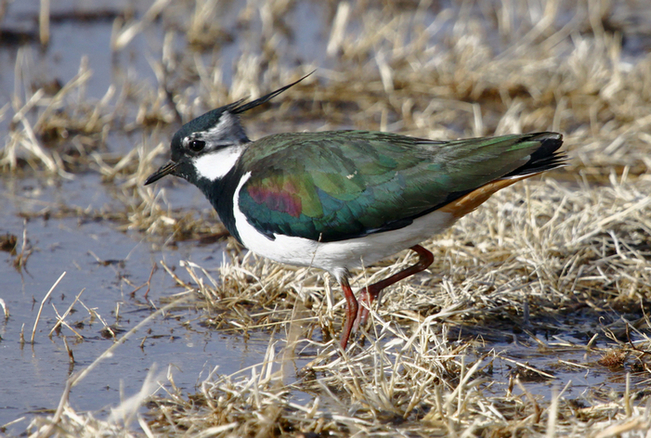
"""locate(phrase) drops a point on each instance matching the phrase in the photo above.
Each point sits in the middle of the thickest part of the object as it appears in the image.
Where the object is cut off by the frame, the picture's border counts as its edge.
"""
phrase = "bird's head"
(208, 147)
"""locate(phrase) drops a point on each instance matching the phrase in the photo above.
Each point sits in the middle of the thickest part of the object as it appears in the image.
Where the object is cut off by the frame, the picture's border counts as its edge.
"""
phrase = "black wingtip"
(550, 142)
(239, 106)
(546, 157)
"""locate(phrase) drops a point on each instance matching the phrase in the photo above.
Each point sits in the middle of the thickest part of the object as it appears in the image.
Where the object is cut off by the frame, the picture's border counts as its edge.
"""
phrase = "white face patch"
(215, 165)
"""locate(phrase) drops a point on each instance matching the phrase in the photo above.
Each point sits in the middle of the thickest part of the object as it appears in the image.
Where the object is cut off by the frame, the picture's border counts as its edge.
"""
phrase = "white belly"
(338, 257)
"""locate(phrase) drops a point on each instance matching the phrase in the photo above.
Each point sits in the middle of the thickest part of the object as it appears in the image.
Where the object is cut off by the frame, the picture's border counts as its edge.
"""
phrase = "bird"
(341, 200)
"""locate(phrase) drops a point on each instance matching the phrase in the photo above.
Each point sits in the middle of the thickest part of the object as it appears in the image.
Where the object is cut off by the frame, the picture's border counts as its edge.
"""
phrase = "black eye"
(196, 145)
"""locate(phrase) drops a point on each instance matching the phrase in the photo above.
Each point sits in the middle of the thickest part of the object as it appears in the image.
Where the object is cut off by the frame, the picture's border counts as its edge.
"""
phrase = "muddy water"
(104, 266)
(107, 268)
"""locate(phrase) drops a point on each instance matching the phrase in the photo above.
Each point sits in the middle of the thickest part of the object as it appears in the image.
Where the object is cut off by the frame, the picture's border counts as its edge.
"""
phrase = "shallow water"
(34, 375)
(108, 264)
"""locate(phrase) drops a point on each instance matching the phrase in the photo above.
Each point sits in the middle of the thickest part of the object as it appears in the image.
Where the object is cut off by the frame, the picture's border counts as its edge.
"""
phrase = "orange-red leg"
(357, 315)
(370, 293)
(351, 311)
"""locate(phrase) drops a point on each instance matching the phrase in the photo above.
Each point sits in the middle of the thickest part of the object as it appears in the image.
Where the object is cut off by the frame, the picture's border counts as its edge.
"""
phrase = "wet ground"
(109, 269)
(104, 267)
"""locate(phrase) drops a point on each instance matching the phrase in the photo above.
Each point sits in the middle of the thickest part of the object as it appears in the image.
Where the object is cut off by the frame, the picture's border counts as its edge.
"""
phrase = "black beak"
(167, 169)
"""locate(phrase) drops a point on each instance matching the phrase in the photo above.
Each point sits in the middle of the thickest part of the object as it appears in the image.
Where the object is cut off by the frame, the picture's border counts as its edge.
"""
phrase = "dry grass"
(567, 253)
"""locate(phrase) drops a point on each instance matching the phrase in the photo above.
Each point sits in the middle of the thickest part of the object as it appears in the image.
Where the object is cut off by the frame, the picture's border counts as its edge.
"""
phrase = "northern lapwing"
(337, 200)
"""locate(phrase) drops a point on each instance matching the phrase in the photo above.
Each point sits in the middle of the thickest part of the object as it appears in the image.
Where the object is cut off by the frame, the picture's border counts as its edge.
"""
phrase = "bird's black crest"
(211, 118)
(239, 106)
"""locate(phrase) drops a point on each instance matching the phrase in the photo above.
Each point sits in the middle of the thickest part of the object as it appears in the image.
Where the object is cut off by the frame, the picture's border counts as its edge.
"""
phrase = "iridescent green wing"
(332, 186)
